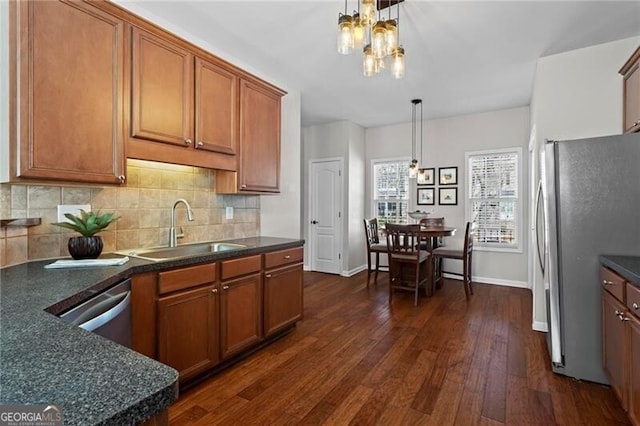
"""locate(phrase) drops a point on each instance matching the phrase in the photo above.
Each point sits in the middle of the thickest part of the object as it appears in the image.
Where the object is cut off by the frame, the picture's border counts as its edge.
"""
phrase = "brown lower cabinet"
(241, 309)
(193, 318)
(188, 324)
(621, 339)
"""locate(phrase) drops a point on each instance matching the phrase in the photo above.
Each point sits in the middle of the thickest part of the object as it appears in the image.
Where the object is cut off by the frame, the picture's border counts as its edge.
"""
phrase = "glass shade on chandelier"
(397, 62)
(379, 39)
(345, 34)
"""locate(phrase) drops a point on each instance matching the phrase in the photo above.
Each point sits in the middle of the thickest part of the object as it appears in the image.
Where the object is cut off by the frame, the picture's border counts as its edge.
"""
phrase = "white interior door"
(325, 215)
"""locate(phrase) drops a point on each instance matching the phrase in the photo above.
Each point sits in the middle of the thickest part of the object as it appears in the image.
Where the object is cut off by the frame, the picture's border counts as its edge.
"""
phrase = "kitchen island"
(90, 379)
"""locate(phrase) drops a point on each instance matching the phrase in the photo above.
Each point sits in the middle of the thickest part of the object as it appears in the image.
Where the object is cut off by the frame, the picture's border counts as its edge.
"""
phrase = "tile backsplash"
(143, 205)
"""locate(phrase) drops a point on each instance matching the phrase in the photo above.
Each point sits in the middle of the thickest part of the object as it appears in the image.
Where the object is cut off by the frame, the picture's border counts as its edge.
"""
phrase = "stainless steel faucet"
(173, 236)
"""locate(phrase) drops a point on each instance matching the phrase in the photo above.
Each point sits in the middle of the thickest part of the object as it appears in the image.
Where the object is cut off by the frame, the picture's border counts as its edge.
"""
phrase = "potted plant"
(88, 246)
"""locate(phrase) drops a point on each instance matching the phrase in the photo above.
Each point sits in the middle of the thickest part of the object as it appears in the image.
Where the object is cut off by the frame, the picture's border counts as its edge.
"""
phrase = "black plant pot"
(85, 247)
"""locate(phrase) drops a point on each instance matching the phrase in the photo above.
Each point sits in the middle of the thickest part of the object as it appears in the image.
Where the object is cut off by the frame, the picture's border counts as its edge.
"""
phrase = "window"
(391, 190)
(494, 203)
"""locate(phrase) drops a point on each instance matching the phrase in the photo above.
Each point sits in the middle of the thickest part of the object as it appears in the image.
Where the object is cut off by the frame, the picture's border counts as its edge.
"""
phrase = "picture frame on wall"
(448, 175)
(426, 196)
(448, 196)
(426, 176)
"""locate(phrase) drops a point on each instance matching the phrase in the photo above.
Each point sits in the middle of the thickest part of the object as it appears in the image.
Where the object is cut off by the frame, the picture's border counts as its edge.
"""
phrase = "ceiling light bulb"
(345, 34)
(379, 40)
(367, 12)
(358, 31)
(413, 169)
(397, 63)
(391, 35)
(368, 62)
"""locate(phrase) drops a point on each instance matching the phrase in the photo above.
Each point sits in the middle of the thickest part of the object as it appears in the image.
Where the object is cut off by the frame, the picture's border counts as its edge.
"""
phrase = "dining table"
(430, 235)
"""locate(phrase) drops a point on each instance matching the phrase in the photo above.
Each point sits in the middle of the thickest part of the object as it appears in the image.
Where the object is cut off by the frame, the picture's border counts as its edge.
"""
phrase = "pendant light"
(378, 38)
(413, 166)
(345, 32)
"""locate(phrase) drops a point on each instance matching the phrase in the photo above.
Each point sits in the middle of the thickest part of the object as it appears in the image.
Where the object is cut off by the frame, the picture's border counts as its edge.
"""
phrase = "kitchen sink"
(187, 250)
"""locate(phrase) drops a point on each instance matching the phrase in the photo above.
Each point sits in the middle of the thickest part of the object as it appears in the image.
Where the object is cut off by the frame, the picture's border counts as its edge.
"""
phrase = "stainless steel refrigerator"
(591, 206)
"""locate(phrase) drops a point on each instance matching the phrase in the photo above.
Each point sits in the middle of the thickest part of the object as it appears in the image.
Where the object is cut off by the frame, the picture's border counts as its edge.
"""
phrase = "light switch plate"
(71, 208)
(229, 213)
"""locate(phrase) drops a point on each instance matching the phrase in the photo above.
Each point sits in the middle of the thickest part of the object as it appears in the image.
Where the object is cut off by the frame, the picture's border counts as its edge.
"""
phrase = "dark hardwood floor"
(357, 360)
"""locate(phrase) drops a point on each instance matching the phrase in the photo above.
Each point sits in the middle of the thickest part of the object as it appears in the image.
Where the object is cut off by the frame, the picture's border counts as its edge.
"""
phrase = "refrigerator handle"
(541, 257)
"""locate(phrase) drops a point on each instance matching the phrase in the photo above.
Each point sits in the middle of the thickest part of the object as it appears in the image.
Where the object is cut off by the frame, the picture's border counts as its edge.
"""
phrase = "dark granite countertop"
(627, 266)
(44, 360)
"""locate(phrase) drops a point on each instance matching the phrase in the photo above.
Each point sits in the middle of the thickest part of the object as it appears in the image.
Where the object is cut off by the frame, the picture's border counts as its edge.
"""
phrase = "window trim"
(519, 247)
(372, 199)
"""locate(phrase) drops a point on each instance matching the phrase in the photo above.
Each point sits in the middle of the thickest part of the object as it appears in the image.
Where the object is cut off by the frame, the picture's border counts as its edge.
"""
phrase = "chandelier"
(414, 169)
(379, 39)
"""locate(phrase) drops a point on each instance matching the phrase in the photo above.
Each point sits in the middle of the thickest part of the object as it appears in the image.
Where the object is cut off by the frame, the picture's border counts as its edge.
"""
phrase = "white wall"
(345, 140)
(575, 94)
(445, 143)
(279, 214)
(356, 253)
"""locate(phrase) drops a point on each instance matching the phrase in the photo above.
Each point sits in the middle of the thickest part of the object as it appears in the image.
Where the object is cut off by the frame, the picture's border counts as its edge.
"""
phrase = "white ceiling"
(462, 56)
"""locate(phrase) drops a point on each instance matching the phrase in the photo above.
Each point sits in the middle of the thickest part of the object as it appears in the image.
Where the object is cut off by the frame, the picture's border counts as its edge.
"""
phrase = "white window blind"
(391, 191)
(494, 197)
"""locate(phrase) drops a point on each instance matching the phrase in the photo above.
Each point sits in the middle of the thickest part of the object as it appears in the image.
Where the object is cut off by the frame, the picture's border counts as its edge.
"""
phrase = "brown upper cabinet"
(631, 93)
(90, 80)
(67, 77)
(181, 104)
(259, 165)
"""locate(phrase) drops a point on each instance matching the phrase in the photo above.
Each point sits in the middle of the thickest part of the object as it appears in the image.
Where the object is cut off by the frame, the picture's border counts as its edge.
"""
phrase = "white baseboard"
(306, 267)
(353, 271)
(495, 281)
(540, 326)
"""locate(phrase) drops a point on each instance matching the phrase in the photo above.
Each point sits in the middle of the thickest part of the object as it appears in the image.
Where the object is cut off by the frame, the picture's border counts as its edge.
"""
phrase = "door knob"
(314, 222)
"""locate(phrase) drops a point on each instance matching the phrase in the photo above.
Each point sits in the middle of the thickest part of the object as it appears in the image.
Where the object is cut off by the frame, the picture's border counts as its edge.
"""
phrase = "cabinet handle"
(225, 287)
(215, 290)
(268, 275)
(635, 306)
(187, 142)
(244, 185)
(199, 143)
(606, 282)
(287, 257)
(121, 178)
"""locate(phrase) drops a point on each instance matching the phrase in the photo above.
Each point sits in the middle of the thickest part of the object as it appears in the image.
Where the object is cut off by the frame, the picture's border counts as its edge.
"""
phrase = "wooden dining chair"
(464, 254)
(374, 246)
(408, 264)
(429, 244)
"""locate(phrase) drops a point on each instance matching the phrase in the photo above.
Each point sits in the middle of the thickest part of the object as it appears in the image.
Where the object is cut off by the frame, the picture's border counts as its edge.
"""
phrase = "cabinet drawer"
(283, 257)
(633, 299)
(242, 266)
(182, 278)
(612, 282)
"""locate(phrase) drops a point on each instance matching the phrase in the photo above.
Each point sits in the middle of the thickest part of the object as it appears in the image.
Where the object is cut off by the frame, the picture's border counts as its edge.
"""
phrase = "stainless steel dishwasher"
(107, 314)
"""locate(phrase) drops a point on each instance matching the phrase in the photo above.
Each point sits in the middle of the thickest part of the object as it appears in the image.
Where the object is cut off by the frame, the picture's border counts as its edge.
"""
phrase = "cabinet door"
(613, 345)
(282, 298)
(259, 139)
(632, 98)
(216, 108)
(161, 90)
(188, 331)
(70, 56)
(634, 369)
(241, 314)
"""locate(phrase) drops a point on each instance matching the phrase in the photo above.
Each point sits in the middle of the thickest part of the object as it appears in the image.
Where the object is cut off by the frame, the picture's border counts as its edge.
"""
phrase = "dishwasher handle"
(103, 312)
